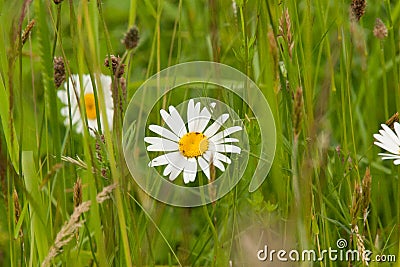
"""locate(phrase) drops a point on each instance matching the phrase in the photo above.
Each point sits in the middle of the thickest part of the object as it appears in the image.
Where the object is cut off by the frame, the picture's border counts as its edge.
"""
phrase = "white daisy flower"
(389, 141)
(75, 92)
(194, 145)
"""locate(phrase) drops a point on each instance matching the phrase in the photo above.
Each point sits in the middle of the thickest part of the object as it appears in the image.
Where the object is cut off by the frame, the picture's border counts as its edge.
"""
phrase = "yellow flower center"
(193, 144)
(90, 106)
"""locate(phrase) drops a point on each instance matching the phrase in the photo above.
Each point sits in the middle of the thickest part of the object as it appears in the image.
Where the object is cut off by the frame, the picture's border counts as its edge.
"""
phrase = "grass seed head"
(131, 38)
(27, 31)
(105, 193)
(118, 68)
(298, 111)
(358, 9)
(67, 232)
(78, 192)
(356, 204)
(366, 193)
(17, 209)
(285, 30)
(59, 71)
(390, 122)
(380, 30)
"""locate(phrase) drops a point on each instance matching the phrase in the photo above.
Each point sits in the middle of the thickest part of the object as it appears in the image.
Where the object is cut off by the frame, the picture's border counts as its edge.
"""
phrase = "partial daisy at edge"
(73, 85)
(389, 140)
(195, 146)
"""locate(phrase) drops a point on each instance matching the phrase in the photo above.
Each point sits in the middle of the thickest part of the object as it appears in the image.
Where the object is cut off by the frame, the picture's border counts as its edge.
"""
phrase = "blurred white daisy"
(389, 140)
(194, 145)
(89, 99)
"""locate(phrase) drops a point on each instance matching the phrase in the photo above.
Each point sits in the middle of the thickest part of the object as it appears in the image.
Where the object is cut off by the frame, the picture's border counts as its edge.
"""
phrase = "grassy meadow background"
(329, 81)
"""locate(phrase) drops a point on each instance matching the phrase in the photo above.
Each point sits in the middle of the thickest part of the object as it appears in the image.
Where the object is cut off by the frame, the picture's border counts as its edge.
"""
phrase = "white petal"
(225, 133)
(76, 117)
(160, 160)
(222, 157)
(174, 173)
(66, 122)
(174, 121)
(79, 127)
(87, 84)
(213, 159)
(167, 170)
(392, 157)
(177, 119)
(396, 162)
(106, 84)
(226, 140)
(205, 167)
(208, 155)
(63, 96)
(202, 120)
(163, 132)
(157, 140)
(227, 149)
(160, 144)
(397, 128)
(93, 127)
(110, 117)
(108, 100)
(385, 139)
(74, 86)
(213, 129)
(176, 162)
(392, 135)
(387, 148)
(190, 171)
(388, 156)
(218, 164)
(192, 112)
(64, 111)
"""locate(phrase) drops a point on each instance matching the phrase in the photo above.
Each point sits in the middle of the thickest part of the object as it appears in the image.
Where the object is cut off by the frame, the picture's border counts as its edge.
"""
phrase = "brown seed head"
(358, 9)
(78, 192)
(118, 68)
(131, 38)
(380, 30)
(27, 31)
(298, 111)
(390, 122)
(17, 209)
(366, 193)
(356, 204)
(59, 71)
(285, 30)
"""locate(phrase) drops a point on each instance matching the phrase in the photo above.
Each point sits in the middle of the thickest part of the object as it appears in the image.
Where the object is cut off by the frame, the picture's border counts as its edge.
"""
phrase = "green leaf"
(36, 205)
(8, 126)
